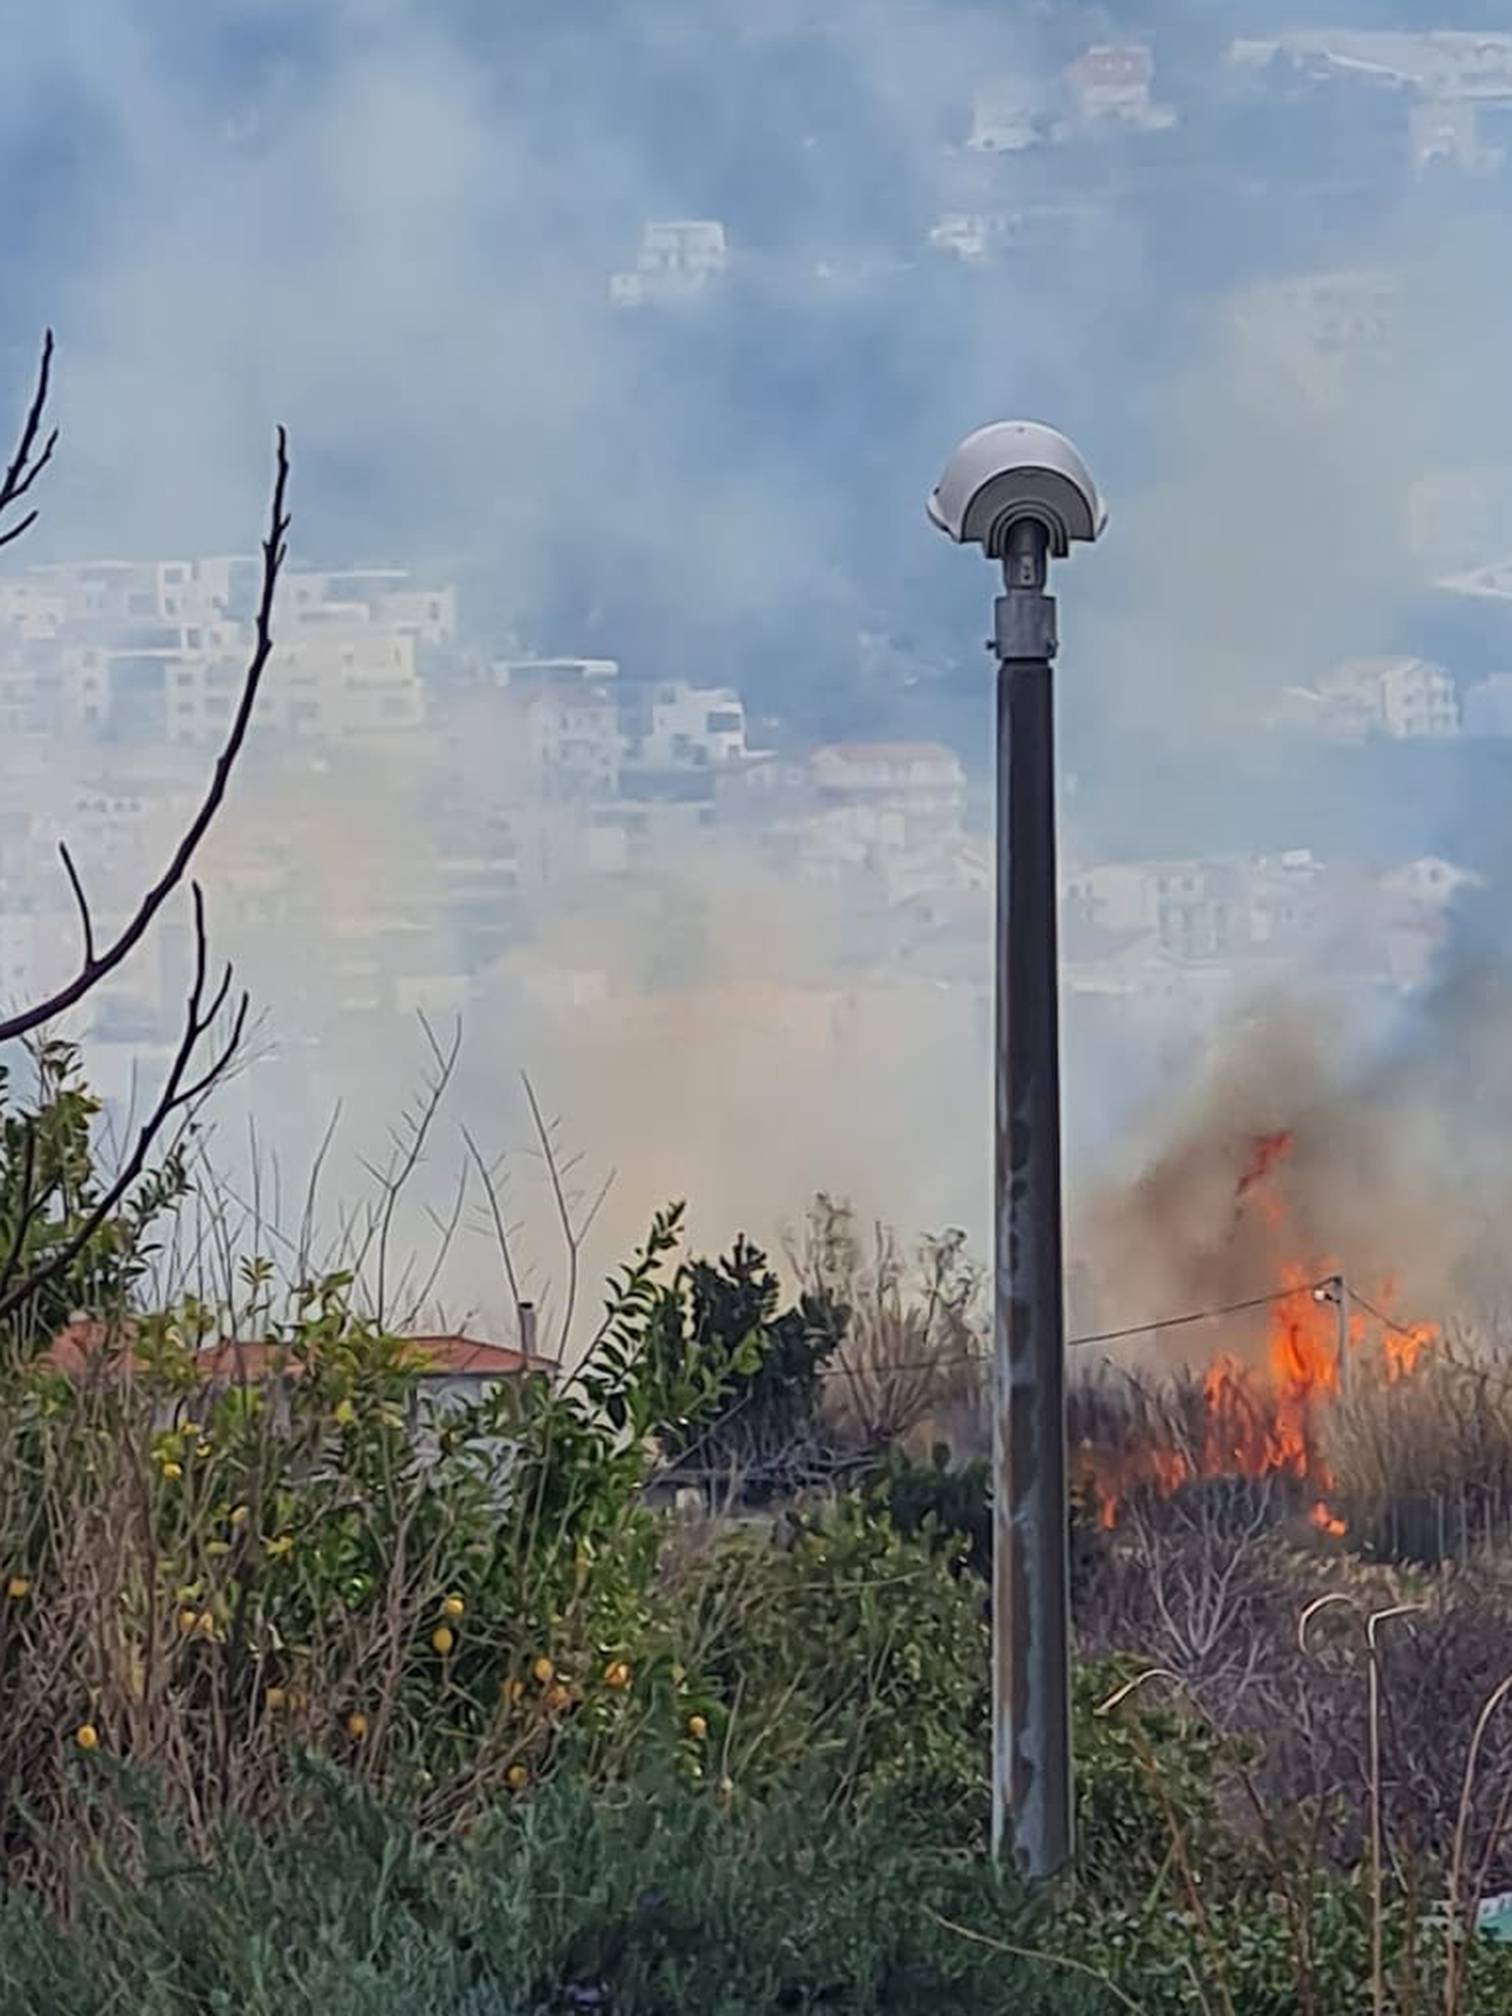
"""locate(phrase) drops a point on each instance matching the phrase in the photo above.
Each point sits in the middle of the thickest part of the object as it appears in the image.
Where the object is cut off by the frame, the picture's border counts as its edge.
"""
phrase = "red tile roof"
(78, 1346)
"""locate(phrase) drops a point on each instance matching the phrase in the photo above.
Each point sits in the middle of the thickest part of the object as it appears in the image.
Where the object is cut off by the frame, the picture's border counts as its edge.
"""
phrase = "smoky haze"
(391, 226)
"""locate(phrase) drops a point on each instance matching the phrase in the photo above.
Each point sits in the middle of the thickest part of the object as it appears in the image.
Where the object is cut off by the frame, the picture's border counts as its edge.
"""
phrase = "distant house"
(1401, 698)
(1113, 83)
(452, 1372)
(1444, 63)
(1447, 131)
(928, 769)
(1007, 116)
(677, 260)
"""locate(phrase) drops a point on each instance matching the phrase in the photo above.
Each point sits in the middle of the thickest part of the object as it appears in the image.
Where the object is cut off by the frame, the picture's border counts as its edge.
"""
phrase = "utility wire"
(1412, 1332)
(1147, 1329)
(1201, 1315)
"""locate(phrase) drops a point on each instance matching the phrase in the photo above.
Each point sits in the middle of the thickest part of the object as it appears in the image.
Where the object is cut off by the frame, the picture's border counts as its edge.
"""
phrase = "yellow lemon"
(442, 1639)
(517, 1777)
(511, 1690)
(276, 1549)
(558, 1699)
(87, 1736)
(698, 1728)
(356, 1724)
(205, 1624)
(617, 1675)
(173, 1471)
(274, 1699)
(346, 1414)
(453, 1607)
(543, 1671)
(238, 1515)
(17, 1587)
(187, 1620)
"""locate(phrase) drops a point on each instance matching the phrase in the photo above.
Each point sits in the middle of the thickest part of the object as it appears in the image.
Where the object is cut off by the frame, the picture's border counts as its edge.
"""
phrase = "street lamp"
(1022, 493)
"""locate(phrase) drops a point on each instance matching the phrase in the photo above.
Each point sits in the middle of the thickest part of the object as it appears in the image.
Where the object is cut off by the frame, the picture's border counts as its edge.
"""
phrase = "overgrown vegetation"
(319, 1693)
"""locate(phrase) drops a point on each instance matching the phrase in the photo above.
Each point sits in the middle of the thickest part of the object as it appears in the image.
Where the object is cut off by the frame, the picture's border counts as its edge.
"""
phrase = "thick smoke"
(390, 225)
(1291, 1158)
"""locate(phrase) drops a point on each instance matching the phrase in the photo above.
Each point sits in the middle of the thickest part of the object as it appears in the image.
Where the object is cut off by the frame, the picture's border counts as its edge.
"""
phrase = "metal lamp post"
(1022, 493)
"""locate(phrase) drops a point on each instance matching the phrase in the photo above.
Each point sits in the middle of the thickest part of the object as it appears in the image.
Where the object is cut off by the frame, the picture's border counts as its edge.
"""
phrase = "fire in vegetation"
(1257, 1409)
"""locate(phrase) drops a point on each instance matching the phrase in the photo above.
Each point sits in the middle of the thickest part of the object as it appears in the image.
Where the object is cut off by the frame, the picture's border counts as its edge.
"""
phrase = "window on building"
(723, 721)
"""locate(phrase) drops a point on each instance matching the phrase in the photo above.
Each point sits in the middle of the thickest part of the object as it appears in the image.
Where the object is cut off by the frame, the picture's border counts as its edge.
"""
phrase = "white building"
(969, 236)
(892, 809)
(925, 776)
(574, 741)
(1446, 131)
(536, 674)
(339, 678)
(677, 260)
(683, 726)
(1007, 116)
(1405, 699)
(1112, 83)
(117, 592)
(386, 596)
(1443, 63)
(1193, 910)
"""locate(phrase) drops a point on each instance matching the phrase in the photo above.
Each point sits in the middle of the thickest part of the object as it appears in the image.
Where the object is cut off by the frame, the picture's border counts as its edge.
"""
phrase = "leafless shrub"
(914, 1351)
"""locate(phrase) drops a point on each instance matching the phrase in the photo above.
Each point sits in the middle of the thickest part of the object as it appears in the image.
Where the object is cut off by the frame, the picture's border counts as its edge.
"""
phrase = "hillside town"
(433, 793)
(580, 784)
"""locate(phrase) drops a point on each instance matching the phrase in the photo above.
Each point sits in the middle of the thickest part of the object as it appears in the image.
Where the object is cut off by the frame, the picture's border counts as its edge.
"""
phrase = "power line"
(1184, 1321)
(1200, 1315)
(1411, 1331)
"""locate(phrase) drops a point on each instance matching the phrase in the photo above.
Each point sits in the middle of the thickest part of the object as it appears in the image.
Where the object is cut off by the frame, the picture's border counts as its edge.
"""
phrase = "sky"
(389, 224)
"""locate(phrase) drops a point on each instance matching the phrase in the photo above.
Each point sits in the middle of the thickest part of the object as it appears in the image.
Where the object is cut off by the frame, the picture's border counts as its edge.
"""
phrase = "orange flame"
(1262, 1419)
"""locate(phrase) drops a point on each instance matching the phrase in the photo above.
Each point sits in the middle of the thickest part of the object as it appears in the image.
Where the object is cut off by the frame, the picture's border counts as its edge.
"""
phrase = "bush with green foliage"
(765, 1421)
(660, 1902)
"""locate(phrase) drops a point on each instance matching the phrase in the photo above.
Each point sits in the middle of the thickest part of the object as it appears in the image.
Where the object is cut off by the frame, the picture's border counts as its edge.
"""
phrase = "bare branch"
(86, 923)
(93, 970)
(22, 470)
(571, 1238)
(408, 1149)
(501, 1230)
(446, 1232)
(31, 1203)
(176, 1096)
(312, 1192)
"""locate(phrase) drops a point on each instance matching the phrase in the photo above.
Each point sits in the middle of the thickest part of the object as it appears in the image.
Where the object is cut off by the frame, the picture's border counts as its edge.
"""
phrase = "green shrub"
(848, 1648)
(660, 1903)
